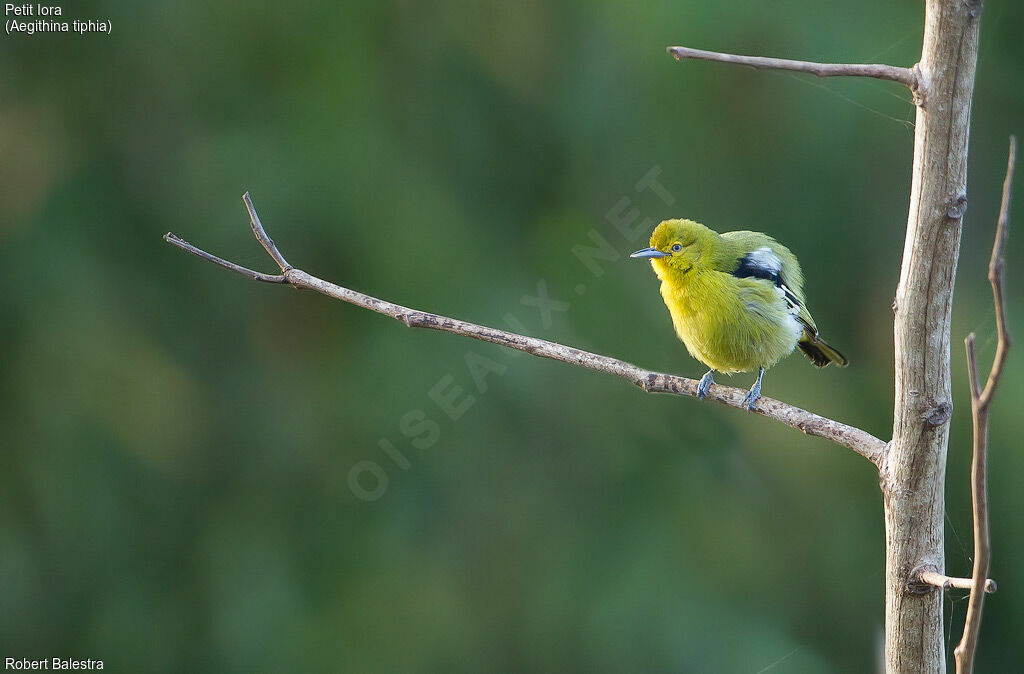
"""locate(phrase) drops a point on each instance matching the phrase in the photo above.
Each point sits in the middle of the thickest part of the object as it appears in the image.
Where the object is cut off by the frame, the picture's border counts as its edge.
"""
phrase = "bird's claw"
(705, 384)
(754, 393)
(751, 398)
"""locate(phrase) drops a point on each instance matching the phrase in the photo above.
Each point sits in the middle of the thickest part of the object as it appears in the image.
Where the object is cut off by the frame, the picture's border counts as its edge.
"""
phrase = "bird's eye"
(676, 247)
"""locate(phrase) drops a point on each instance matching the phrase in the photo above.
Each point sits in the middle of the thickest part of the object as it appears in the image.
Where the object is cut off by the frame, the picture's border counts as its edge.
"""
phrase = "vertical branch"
(996, 265)
(913, 475)
(980, 401)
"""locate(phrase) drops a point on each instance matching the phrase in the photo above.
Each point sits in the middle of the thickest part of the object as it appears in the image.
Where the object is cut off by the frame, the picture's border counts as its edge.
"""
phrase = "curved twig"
(856, 439)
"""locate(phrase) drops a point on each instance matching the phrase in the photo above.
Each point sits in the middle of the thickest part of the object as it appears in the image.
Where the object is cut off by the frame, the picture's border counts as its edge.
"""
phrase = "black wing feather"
(749, 266)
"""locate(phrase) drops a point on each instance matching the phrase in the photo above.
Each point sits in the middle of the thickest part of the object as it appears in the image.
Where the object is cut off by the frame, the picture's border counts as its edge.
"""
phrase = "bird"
(736, 300)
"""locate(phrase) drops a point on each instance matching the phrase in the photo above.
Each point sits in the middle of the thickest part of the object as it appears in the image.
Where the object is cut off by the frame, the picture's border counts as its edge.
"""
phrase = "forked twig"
(980, 401)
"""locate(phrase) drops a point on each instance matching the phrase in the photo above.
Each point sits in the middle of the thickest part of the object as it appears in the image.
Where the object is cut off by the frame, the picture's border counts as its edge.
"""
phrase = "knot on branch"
(883, 470)
(955, 209)
(938, 415)
(916, 85)
(916, 583)
(917, 88)
(647, 383)
(995, 269)
(415, 319)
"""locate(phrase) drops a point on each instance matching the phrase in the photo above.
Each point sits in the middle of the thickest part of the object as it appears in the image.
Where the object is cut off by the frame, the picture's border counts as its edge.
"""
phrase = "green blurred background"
(178, 443)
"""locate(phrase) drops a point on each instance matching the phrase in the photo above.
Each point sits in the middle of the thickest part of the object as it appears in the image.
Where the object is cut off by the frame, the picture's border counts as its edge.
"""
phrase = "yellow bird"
(736, 300)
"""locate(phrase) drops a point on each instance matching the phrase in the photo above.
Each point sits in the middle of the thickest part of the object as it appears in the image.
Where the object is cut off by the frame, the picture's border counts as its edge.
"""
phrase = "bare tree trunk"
(913, 474)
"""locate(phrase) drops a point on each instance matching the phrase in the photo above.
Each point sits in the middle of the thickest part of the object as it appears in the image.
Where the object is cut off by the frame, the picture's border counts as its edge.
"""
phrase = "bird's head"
(679, 246)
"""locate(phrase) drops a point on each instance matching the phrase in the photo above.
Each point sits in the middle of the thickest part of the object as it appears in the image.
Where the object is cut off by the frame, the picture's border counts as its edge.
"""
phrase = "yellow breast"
(730, 324)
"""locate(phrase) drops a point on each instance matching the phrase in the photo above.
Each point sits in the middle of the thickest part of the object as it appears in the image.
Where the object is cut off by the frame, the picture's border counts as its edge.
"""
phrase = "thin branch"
(856, 439)
(175, 240)
(261, 235)
(905, 76)
(943, 582)
(996, 265)
(980, 401)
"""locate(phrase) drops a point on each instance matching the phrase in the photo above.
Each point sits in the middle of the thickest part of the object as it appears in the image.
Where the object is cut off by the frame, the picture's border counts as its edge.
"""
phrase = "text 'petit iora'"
(31, 19)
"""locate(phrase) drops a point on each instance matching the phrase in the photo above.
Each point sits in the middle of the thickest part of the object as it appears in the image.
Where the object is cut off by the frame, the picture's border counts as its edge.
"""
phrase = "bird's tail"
(819, 352)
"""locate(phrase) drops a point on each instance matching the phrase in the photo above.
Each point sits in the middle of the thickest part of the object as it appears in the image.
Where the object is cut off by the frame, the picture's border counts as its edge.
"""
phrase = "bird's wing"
(766, 258)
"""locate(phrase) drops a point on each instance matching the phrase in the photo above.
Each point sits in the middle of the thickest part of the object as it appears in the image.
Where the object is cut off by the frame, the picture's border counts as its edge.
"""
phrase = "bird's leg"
(705, 383)
(755, 391)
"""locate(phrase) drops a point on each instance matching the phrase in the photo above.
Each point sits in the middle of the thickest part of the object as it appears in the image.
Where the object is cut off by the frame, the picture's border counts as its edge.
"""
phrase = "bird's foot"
(705, 383)
(754, 393)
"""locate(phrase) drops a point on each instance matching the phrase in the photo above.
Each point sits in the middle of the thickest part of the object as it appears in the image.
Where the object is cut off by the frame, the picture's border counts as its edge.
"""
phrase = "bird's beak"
(649, 252)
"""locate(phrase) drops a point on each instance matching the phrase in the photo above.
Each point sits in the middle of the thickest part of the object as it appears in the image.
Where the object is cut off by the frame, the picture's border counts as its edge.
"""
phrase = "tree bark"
(913, 473)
